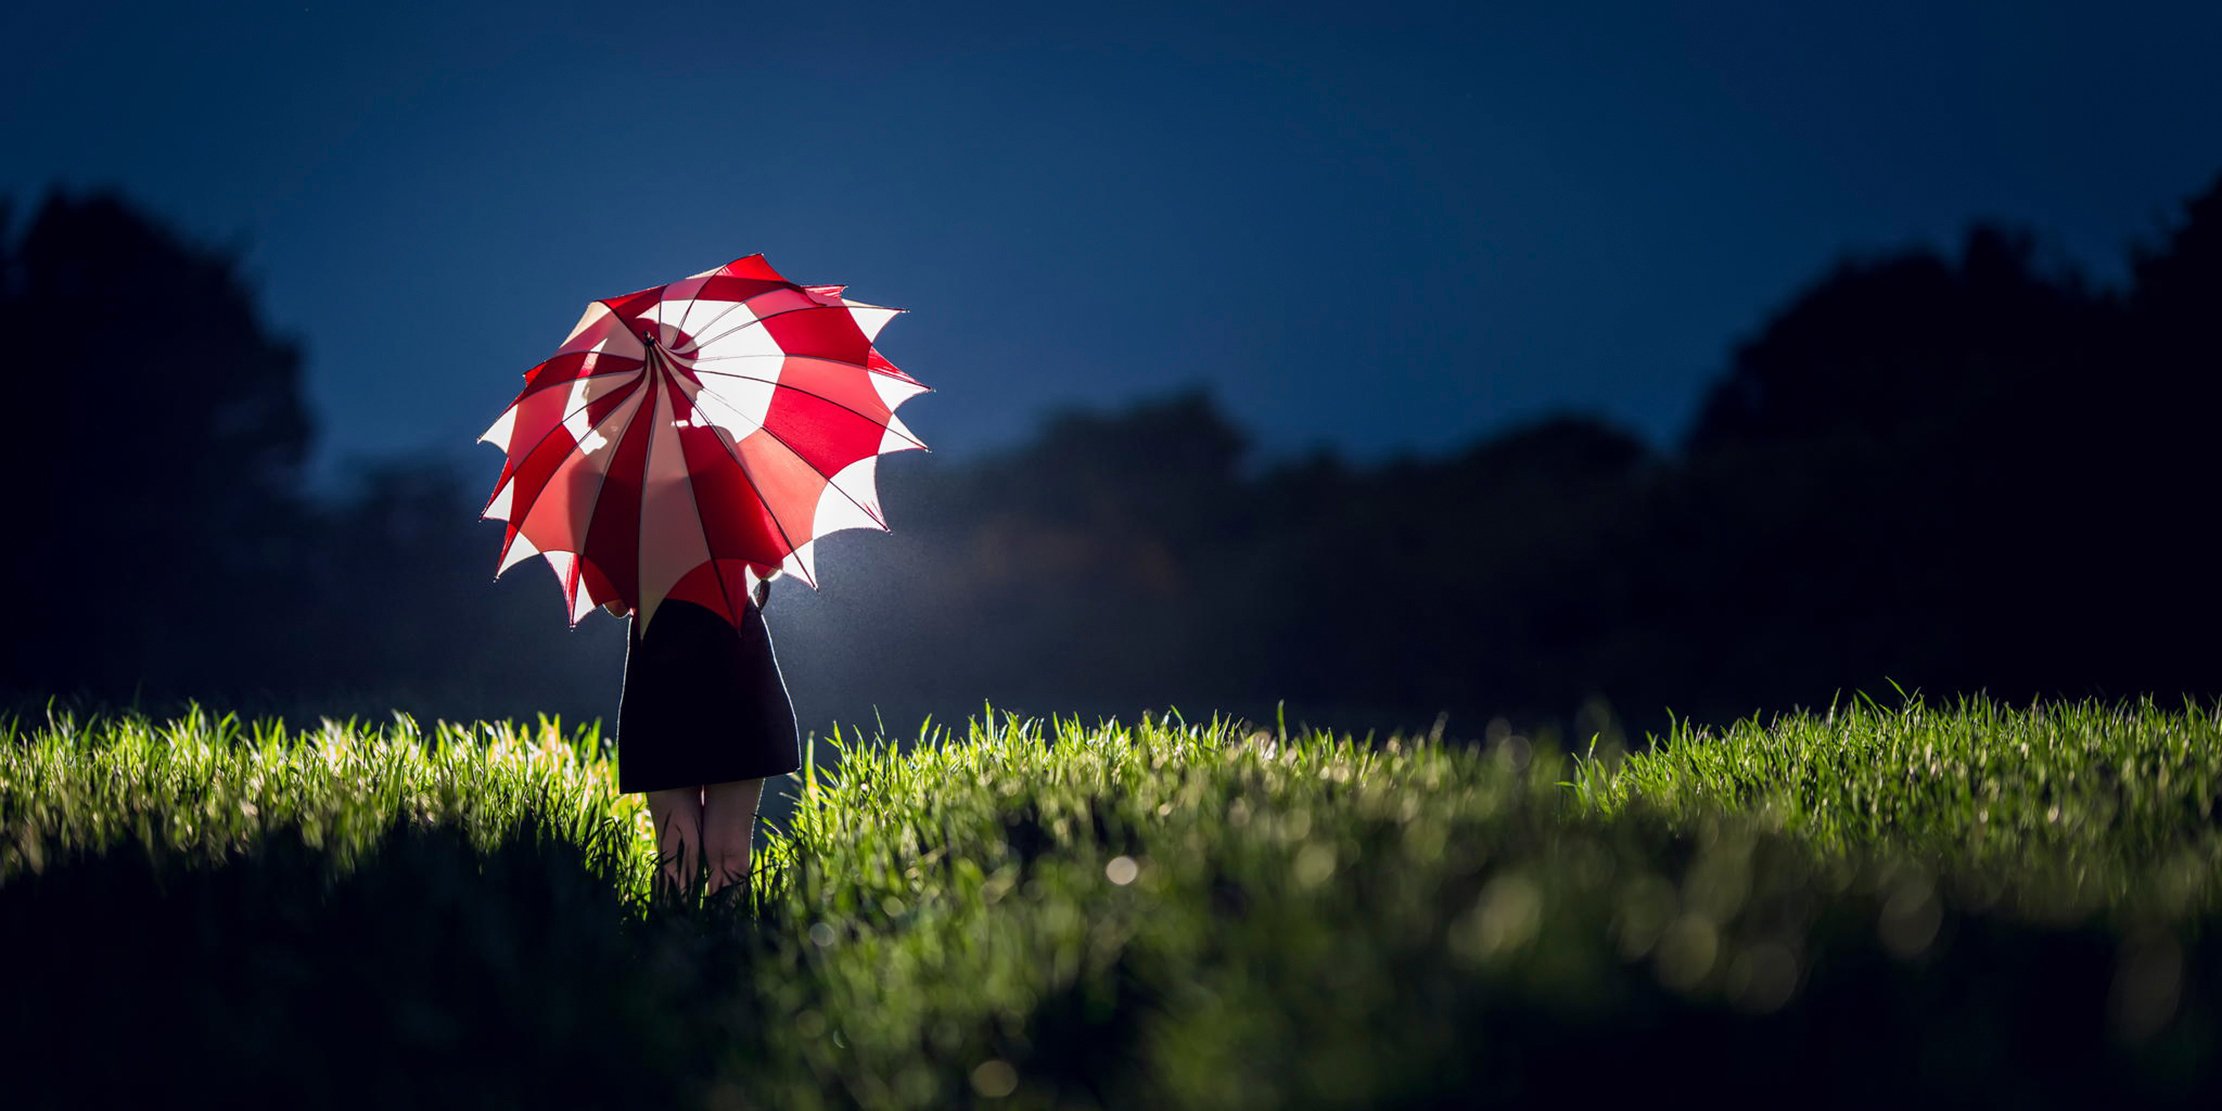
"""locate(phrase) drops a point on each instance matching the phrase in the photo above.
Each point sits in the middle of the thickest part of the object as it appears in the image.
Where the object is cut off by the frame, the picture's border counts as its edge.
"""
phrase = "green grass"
(2066, 809)
(203, 788)
(1968, 901)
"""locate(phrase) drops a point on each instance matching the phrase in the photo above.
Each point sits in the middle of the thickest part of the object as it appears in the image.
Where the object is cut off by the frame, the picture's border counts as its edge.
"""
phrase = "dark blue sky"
(1378, 227)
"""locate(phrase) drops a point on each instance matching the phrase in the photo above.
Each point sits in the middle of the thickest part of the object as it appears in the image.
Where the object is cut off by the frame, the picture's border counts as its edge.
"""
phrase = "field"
(1977, 902)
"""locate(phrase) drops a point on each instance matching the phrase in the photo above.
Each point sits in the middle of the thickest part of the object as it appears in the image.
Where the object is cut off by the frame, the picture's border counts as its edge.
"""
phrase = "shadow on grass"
(431, 973)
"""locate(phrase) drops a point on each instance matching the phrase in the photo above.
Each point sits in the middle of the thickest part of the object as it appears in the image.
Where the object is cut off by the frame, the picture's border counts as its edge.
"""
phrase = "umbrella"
(691, 440)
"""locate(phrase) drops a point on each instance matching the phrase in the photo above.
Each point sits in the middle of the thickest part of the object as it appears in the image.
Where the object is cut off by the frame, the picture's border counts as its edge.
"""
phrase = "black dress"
(703, 703)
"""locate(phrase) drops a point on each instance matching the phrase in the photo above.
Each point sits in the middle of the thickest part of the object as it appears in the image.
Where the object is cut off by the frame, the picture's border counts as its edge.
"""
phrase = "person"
(703, 719)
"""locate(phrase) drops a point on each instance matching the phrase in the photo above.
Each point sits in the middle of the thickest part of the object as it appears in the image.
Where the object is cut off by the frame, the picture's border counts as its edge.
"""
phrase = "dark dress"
(703, 703)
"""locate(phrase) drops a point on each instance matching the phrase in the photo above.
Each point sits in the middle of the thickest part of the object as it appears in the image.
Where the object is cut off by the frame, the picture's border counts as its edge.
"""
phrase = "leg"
(677, 814)
(728, 818)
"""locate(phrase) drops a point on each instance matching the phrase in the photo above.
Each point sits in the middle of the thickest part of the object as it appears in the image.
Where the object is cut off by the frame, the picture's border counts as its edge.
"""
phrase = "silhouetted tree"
(1957, 471)
(156, 431)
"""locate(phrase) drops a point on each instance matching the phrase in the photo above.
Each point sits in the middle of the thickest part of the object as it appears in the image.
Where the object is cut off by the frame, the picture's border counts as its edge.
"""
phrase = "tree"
(156, 433)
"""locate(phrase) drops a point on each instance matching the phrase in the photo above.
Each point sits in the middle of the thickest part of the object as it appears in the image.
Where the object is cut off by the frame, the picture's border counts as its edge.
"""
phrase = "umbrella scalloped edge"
(691, 440)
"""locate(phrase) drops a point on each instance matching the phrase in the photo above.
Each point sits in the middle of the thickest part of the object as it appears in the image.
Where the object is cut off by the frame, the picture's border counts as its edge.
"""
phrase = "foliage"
(156, 434)
(1959, 469)
(1966, 901)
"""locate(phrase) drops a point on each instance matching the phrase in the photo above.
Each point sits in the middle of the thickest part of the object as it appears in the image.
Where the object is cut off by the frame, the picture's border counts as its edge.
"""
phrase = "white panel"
(583, 603)
(671, 541)
(802, 564)
(682, 291)
(503, 428)
(732, 336)
(894, 391)
(593, 313)
(693, 317)
(850, 500)
(602, 330)
(898, 437)
(520, 550)
(716, 318)
(586, 391)
(561, 563)
(733, 403)
(872, 318)
(591, 460)
(498, 509)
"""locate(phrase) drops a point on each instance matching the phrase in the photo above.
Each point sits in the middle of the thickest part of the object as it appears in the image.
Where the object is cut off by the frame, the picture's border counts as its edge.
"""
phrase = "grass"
(2066, 809)
(1965, 901)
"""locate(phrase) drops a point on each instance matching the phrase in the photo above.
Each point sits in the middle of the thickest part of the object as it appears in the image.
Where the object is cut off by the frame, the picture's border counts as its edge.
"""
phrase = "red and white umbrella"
(686, 441)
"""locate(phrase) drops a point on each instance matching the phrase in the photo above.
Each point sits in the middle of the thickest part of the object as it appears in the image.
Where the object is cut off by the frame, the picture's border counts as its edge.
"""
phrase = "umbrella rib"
(532, 388)
(641, 526)
(624, 328)
(552, 429)
(776, 384)
(692, 304)
(805, 290)
(805, 460)
(733, 451)
(692, 301)
(597, 503)
(899, 376)
(728, 311)
(760, 319)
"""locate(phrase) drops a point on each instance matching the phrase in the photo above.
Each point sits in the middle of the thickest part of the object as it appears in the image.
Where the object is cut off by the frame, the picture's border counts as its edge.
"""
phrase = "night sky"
(1376, 227)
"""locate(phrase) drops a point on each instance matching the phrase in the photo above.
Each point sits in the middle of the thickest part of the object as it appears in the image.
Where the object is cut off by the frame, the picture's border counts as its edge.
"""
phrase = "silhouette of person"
(703, 720)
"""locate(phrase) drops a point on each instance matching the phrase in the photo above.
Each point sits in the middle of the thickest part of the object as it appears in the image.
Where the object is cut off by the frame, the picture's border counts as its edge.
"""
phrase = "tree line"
(1948, 470)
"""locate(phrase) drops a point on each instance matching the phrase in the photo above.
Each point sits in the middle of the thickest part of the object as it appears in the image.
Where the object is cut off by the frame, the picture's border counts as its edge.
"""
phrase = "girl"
(703, 720)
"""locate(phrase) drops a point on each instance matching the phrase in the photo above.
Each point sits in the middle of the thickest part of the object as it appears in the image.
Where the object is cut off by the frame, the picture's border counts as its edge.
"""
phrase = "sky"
(1381, 229)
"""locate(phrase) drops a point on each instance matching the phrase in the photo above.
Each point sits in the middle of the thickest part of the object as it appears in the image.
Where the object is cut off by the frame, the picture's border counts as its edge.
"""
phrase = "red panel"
(826, 435)
(600, 408)
(613, 537)
(538, 410)
(570, 582)
(597, 584)
(632, 305)
(876, 361)
(789, 486)
(508, 468)
(841, 383)
(734, 521)
(600, 327)
(752, 266)
(826, 333)
(539, 465)
(780, 299)
(721, 288)
(539, 425)
(571, 366)
(715, 586)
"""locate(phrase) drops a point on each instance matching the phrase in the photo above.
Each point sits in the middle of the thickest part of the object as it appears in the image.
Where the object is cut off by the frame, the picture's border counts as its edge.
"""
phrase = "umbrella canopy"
(691, 440)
